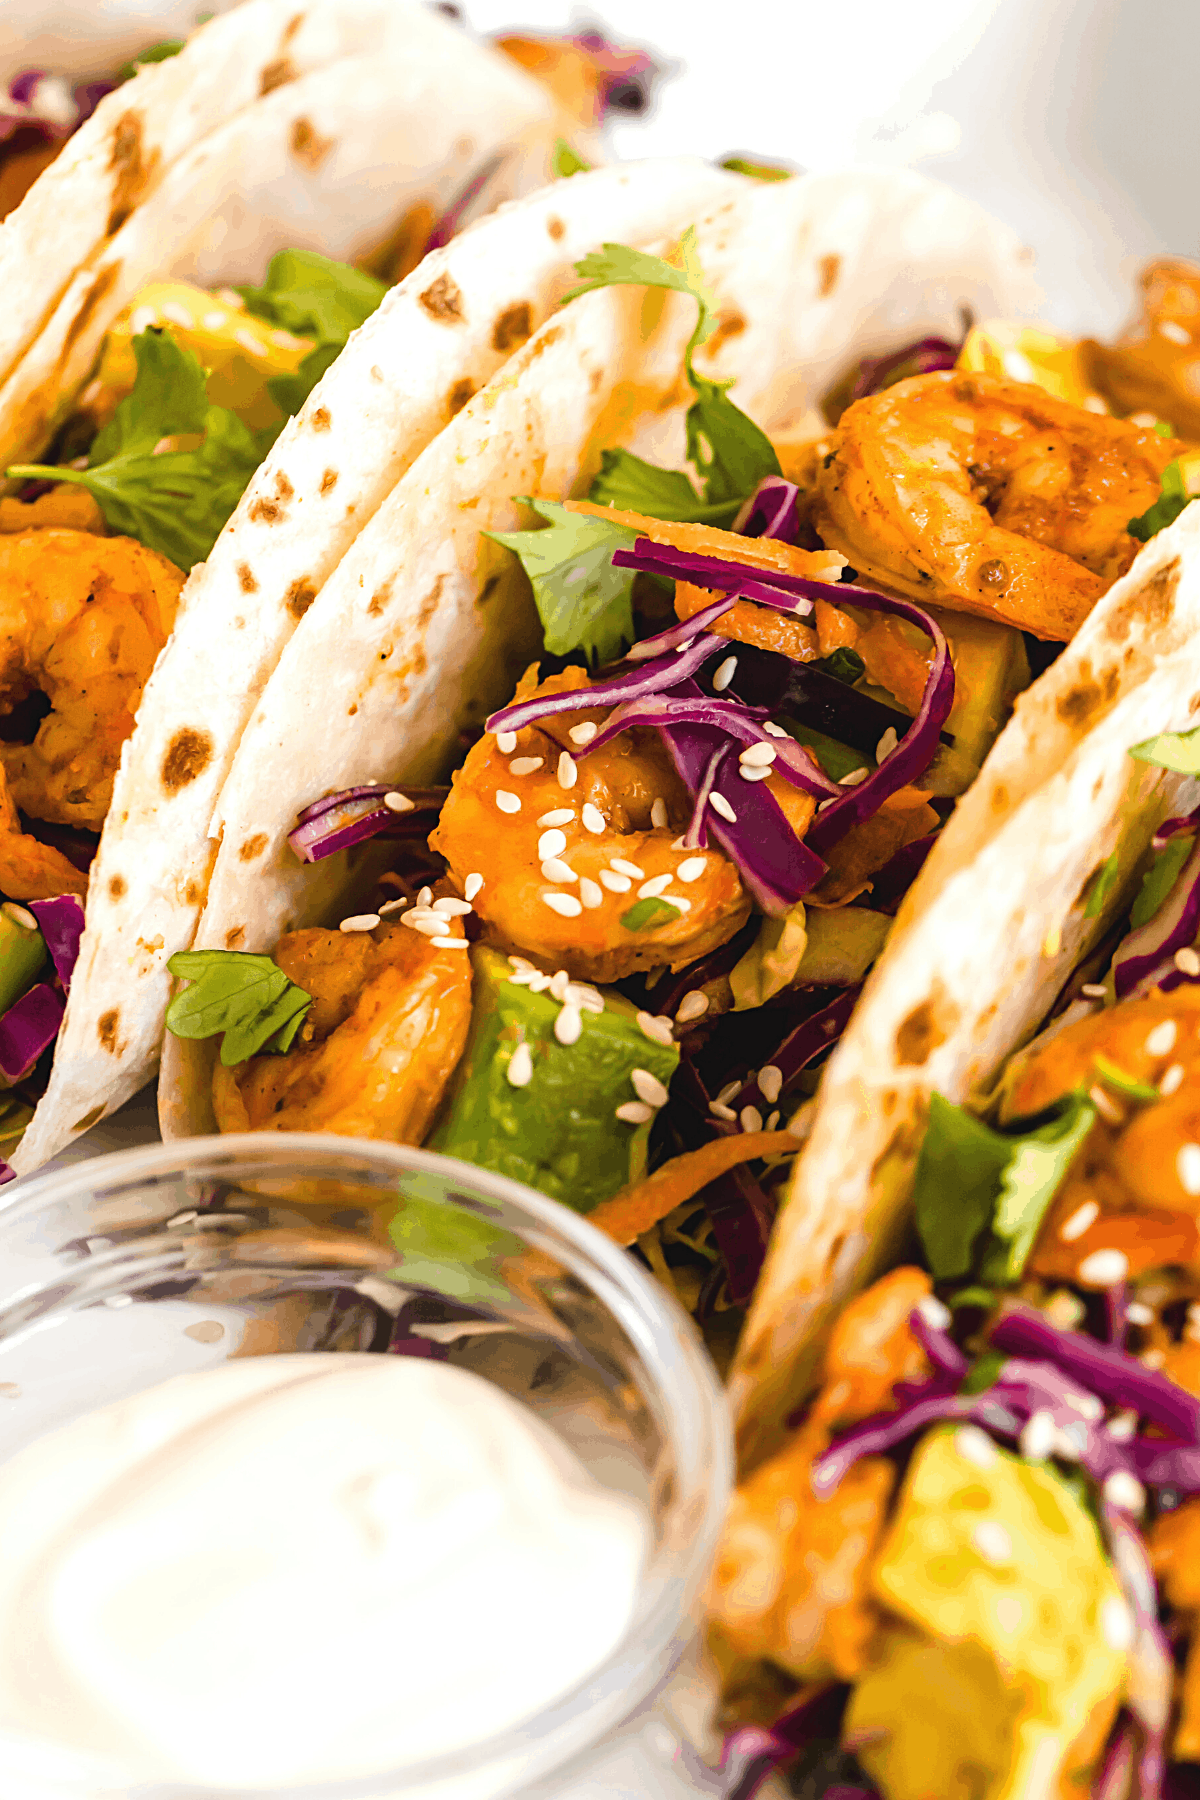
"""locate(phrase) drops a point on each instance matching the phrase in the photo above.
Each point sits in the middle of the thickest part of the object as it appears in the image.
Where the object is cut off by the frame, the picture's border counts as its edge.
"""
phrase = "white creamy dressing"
(304, 1567)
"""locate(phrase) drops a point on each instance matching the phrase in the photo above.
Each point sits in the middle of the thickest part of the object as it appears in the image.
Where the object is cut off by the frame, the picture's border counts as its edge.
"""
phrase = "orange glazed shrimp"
(568, 851)
(82, 619)
(989, 496)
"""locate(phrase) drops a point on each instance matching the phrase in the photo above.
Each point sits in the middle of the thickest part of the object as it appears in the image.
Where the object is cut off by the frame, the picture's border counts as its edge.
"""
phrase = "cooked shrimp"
(383, 1036)
(1155, 366)
(565, 861)
(989, 496)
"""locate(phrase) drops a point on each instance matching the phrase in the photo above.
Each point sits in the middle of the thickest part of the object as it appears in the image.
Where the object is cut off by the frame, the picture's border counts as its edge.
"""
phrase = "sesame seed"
(976, 1446)
(452, 908)
(551, 843)
(522, 963)
(1191, 1330)
(854, 779)
(1071, 1442)
(424, 896)
(750, 1119)
(568, 774)
(558, 985)
(473, 886)
(616, 884)
(1161, 1041)
(1172, 1080)
(1080, 1219)
(583, 734)
(1088, 1405)
(992, 1542)
(1126, 1491)
(1110, 1110)
(392, 906)
(692, 1006)
(580, 994)
(1187, 962)
(1094, 990)
(520, 1067)
(555, 869)
(931, 1308)
(525, 765)
(1152, 1359)
(360, 922)
(773, 1120)
(506, 742)
(429, 924)
(568, 1025)
(775, 731)
(627, 868)
(1037, 1437)
(1064, 1309)
(686, 645)
(593, 819)
(20, 915)
(398, 803)
(657, 884)
(591, 893)
(721, 806)
(758, 756)
(656, 1029)
(1123, 1427)
(558, 815)
(1187, 1167)
(719, 1110)
(770, 1081)
(1052, 942)
(565, 905)
(729, 1090)
(692, 869)
(1138, 1313)
(1168, 328)
(658, 814)
(450, 943)
(635, 1112)
(1116, 1622)
(886, 744)
(750, 773)
(1103, 1268)
(648, 1087)
(508, 803)
(725, 674)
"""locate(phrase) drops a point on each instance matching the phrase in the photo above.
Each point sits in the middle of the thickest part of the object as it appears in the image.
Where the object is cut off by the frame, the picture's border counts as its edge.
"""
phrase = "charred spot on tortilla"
(300, 597)
(919, 1035)
(556, 228)
(429, 604)
(443, 301)
(283, 487)
(1151, 605)
(380, 598)
(116, 888)
(828, 270)
(106, 1030)
(253, 846)
(329, 481)
(460, 393)
(104, 281)
(191, 894)
(308, 146)
(351, 710)
(130, 171)
(234, 936)
(291, 28)
(266, 511)
(188, 755)
(513, 326)
(320, 420)
(1077, 705)
(246, 579)
(89, 1118)
(277, 74)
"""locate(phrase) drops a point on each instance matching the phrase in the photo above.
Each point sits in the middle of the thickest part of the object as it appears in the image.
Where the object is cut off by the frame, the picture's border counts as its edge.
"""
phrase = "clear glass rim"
(687, 1387)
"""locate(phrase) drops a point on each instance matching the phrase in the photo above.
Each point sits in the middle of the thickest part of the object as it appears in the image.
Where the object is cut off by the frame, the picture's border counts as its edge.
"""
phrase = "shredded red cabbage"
(28, 1027)
(677, 637)
(771, 511)
(802, 1046)
(753, 1752)
(890, 884)
(7, 1173)
(628, 75)
(666, 711)
(450, 223)
(61, 921)
(941, 1349)
(656, 677)
(356, 814)
(1145, 959)
(741, 1213)
(1176, 827)
(1115, 1774)
(1149, 1677)
(48, 104)
(926, 357)
(1113, 1374)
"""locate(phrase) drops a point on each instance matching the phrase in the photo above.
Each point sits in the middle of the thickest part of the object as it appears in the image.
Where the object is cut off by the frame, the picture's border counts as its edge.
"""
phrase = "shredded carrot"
(708, 540)
(635, 1209)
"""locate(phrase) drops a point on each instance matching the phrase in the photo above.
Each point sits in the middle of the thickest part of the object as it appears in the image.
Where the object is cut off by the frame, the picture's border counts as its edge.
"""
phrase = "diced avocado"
(1009, 1665)
(990, 669)
(22, 953)
(843, 942)
(240, 352)
(558, 1131)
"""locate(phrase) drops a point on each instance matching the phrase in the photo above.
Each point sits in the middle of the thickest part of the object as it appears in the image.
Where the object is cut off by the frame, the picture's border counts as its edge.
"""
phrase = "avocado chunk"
(843, 942)
(22, 953)
(991, 668)
(1008, 1666)
(558, 1131)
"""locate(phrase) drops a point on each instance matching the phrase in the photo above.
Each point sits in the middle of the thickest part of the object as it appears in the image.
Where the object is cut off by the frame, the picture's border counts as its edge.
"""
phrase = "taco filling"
(611, 957)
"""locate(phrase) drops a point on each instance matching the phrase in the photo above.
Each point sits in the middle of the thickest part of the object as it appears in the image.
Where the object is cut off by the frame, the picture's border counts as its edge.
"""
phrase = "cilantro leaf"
(1175, 750)
(627, 482)
(566, 162)
(983, 1373)
(729, 452)
(973, 1180)
(582, 601)
(1121, 1083)
(289, 392)
(1102, 885)
(648, 915)
(1166, 508)
(313, 296)
(154, 53)
(845, 665)
(248, 998)
(178, 502)
(758, 171)
(1160, 878)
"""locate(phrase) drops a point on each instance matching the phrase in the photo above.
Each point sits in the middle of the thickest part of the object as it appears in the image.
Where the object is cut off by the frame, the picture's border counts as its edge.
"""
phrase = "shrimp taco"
(155, 395)
(970, 1566)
